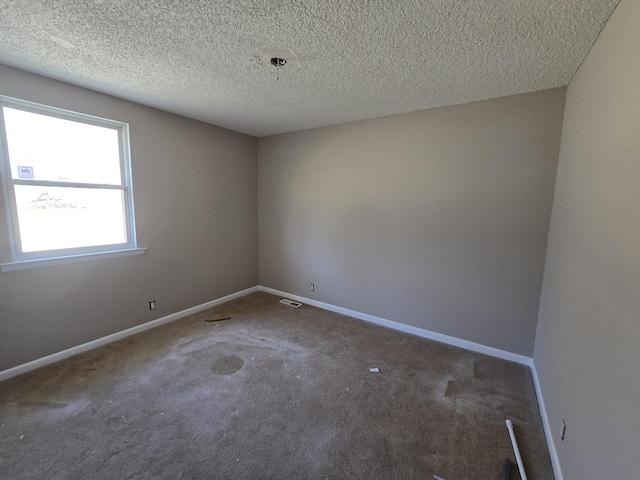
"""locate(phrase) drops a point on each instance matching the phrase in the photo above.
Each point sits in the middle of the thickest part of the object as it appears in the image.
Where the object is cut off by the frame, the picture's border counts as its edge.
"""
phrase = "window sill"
(50, 262)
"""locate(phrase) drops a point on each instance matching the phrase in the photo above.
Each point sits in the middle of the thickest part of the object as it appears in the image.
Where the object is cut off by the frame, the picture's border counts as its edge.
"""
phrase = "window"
(66, 182)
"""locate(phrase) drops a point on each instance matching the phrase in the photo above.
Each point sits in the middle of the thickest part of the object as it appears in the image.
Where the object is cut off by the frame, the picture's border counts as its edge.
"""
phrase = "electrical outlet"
(563, 430)
(152, 305)
(312, 287)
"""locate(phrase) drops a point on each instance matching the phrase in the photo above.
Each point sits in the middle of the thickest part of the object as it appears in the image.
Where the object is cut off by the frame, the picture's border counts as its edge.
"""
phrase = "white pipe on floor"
(516, 450)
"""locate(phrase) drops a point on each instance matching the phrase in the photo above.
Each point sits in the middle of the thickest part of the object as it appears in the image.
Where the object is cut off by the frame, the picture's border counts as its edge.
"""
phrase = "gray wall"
(587, 351)
(436, 219)
(195, 201)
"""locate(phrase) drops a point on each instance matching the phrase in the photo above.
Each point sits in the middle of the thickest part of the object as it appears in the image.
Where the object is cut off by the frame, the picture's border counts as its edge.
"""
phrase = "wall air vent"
(291, 303)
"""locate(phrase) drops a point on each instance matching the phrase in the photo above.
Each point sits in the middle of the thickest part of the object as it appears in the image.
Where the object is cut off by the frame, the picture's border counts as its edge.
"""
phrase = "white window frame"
(20, 259)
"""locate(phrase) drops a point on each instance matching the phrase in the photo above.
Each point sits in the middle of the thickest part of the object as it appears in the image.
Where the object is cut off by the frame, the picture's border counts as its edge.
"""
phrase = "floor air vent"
(291, 303)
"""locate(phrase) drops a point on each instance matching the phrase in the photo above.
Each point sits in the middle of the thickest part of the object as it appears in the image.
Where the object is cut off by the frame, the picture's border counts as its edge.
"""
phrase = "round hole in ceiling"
(278, 62)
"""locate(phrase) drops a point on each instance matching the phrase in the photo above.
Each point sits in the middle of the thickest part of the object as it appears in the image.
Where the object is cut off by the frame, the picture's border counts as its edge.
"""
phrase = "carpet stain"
(227, 365)
(456, 388)
(476, 372)
(452, 388)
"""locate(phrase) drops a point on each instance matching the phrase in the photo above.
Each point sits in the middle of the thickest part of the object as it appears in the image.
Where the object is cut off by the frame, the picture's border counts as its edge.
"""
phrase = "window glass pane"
(49, 148)
(53, 218)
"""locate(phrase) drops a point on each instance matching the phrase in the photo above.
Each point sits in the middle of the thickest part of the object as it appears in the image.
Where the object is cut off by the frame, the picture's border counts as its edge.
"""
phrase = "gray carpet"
(273, 393)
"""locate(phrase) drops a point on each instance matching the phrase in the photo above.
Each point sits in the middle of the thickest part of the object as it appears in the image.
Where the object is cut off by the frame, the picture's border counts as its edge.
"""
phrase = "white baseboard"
(421, 332)
(476, 347)
(553, 453)
(41, 362)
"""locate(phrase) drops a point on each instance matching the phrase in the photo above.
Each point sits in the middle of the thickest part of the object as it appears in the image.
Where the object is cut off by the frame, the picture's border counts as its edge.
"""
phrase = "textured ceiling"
(357, 59)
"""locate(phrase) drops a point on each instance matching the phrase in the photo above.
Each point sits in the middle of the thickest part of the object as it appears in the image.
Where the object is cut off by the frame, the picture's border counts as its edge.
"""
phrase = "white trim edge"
(551, 445)
(56, 357)
(84, 257)
(420, 332)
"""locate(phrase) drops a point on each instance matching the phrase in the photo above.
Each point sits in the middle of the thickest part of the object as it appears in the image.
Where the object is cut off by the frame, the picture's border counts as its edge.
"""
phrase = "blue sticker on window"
(25, 172)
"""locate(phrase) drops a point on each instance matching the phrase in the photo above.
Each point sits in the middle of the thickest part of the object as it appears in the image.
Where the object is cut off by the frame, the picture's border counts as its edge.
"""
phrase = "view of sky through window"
(61, 150)
(44, 148)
